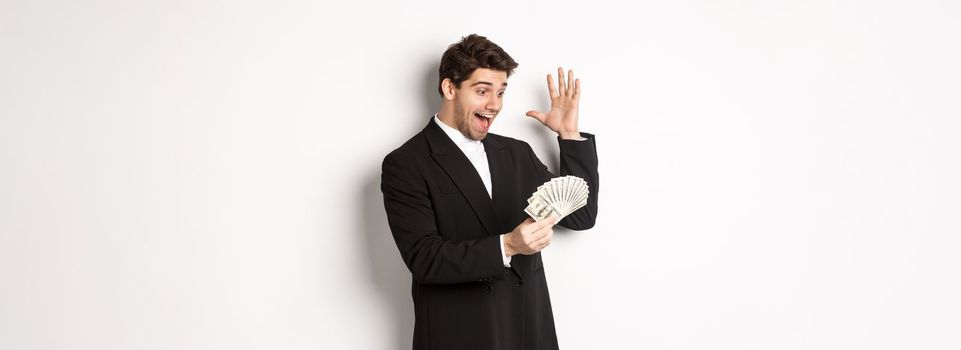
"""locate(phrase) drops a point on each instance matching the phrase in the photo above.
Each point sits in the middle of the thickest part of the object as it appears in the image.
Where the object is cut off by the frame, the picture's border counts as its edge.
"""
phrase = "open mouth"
(483, 121)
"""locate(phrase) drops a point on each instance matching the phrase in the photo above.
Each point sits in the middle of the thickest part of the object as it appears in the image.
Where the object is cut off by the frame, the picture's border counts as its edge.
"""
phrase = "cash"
(558, 197)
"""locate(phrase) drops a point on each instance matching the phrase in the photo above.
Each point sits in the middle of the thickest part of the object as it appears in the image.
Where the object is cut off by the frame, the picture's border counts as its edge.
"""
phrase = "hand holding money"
(551, 202)
(529, 237)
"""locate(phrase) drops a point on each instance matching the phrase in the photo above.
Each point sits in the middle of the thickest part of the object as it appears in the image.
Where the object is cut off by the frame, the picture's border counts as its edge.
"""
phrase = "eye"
(501, 94)
(482, 92)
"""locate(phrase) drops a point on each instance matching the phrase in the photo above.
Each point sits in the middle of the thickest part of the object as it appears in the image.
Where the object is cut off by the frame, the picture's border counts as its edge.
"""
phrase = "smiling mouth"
(484, 121)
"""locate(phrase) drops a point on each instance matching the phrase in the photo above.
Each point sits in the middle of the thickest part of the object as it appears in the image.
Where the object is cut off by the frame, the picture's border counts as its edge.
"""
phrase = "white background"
(205, 174)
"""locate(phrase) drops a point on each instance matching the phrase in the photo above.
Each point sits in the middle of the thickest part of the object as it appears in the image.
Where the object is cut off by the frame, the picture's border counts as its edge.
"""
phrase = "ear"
(447, 86)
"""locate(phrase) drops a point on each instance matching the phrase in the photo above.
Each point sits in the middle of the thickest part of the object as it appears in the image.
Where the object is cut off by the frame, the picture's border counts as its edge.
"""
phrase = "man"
(455, 198)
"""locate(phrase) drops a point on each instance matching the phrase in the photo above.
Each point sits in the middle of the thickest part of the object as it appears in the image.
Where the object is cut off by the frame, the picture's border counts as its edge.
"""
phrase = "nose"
(493, 103)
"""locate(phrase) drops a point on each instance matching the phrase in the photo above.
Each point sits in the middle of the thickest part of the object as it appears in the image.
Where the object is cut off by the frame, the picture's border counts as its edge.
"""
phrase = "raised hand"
(562, 118)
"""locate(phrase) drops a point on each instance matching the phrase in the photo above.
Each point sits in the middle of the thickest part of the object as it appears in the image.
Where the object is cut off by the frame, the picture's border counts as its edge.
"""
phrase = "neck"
(446, 114)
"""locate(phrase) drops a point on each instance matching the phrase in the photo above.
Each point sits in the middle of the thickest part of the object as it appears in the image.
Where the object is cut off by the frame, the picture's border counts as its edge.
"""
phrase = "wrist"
(508, 250)
(570, 135)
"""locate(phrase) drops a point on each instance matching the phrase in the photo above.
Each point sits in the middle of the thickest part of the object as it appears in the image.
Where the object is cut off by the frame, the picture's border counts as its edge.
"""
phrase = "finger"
(554, 218)
(535, 236)
(570, 82)
(577, 89)
(549, 221)
(561, 84)
(526, 222)
(536, 115)
(536, 226)
(544, 231)
(543, 241)
(550, 86)
(539, 246)
(546, 244)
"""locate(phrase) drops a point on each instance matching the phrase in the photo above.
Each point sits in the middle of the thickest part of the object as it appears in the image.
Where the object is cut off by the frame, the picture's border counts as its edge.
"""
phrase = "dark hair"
(472, 52)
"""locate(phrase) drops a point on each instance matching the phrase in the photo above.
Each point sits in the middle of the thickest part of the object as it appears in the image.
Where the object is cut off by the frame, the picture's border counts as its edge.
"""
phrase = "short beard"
(464, 127)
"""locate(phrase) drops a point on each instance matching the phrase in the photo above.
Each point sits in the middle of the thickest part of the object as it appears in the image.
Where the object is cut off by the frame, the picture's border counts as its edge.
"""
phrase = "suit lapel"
(462, 173)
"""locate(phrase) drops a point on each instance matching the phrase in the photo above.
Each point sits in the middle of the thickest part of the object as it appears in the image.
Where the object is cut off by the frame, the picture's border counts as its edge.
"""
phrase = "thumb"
(527, 222)
(536, 115)
(550, 220)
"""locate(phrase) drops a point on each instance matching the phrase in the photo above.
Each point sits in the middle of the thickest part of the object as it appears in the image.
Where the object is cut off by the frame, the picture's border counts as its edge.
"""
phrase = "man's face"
(477, 102)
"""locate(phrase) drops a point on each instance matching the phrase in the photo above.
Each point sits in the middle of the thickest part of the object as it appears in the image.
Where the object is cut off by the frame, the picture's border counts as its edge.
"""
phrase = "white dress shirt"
(474, 150)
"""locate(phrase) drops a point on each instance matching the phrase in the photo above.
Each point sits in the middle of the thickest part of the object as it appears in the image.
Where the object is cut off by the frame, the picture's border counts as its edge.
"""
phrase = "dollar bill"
(559, 197)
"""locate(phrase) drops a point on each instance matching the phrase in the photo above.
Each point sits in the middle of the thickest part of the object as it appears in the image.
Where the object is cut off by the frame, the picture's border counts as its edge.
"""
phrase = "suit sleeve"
(578, 158)
(430, 258)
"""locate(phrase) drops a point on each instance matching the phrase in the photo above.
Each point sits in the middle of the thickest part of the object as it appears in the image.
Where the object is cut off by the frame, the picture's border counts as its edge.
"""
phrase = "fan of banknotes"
(558, 197)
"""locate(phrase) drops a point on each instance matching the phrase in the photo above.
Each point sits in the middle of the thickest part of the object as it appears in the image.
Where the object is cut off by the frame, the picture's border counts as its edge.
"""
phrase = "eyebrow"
(485, 83)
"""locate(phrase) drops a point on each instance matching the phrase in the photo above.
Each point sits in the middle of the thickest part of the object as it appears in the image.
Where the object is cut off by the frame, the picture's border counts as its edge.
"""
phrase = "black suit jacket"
(446, 228)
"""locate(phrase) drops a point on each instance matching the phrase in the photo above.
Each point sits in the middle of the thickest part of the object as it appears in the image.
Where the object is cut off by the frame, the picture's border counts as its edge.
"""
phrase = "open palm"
(562, 118)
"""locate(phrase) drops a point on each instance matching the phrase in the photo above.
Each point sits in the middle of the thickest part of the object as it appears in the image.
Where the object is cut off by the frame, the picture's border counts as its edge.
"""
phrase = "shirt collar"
(459, 139)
